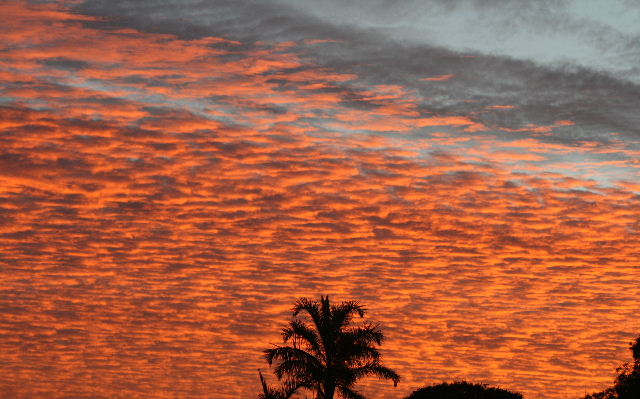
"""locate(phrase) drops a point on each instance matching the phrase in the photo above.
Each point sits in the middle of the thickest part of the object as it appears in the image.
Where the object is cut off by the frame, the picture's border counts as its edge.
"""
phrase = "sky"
(175, 174)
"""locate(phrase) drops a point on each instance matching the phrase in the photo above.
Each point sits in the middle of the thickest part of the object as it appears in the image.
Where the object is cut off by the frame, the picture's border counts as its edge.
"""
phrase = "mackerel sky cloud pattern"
(173, 175)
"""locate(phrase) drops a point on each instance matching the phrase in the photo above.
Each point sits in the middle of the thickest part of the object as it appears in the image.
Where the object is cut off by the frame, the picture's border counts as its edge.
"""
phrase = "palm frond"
(358, 355)
(348, 393)
(265, 387)
(311, 307)
(268, 392)
(366, 334)
(285, 353)
(300, 331)
(298, 369)
(377, 370)
(343, 314)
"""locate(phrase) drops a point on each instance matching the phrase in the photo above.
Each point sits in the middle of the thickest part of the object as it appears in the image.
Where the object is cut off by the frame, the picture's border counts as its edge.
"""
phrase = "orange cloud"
(439, 78)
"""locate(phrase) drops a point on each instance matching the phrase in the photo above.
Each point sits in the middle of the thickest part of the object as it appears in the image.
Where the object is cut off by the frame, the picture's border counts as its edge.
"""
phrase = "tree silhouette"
(327, 353)
(627, 383)
(608, 393)
(462, 390)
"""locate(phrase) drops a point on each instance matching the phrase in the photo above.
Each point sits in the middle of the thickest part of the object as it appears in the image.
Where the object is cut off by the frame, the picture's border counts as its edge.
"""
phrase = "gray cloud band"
(599, 103)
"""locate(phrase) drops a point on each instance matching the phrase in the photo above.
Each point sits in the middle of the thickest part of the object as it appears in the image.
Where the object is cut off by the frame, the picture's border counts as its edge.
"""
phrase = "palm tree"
(329, 354)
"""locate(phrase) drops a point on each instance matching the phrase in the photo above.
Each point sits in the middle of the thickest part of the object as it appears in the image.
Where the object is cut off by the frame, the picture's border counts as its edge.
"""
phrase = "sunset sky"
(175, 174)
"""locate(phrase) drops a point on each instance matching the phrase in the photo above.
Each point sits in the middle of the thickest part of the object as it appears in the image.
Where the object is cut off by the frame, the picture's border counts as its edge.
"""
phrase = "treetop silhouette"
(326, 351)
(462, 390)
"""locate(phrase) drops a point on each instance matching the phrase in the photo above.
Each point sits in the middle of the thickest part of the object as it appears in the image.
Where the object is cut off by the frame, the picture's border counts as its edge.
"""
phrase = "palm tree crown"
(329, 354)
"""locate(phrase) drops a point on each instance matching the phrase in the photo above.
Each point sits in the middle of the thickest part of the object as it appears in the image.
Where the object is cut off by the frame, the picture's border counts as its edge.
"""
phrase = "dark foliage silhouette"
(269, 392)
(326, 352)
(627, 383)
(462, 390)
(606, 394)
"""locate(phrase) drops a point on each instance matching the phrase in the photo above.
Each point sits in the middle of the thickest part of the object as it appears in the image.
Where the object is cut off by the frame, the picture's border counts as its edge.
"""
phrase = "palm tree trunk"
(329, 389)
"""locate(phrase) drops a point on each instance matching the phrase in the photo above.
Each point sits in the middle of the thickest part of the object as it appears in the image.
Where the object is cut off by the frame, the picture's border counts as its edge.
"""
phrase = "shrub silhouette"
(462, 390)
(326, 352)
(627, 385)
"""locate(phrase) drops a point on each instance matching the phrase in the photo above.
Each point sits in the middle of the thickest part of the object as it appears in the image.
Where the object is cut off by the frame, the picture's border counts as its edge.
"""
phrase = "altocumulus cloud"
(173, 175)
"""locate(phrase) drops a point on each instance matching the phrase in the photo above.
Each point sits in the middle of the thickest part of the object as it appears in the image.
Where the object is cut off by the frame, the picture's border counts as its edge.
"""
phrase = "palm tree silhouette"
(329, 354)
